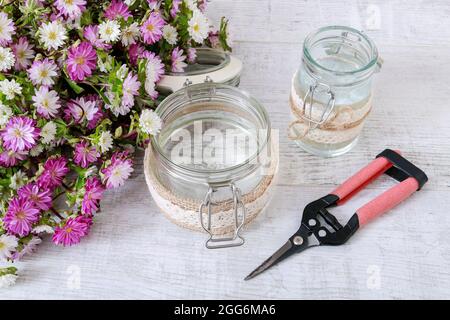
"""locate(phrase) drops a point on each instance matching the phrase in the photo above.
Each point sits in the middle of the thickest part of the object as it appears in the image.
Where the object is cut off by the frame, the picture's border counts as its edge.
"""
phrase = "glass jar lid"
(217, 65)
(201, 124)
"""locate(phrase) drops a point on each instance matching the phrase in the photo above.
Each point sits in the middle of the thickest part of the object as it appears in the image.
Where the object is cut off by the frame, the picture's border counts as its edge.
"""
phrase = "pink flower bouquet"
(78, 82)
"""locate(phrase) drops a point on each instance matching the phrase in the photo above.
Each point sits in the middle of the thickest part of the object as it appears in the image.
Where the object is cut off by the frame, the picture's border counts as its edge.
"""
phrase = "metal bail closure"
(212, 90)
(307, 113)
(186, 85)
(215, 242)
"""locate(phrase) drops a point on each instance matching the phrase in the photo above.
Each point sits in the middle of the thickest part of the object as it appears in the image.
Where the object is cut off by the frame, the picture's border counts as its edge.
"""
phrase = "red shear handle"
(387, 200)
(362, 178)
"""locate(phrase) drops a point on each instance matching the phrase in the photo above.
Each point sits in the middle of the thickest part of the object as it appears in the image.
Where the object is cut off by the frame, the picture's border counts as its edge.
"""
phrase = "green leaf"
(75, 87)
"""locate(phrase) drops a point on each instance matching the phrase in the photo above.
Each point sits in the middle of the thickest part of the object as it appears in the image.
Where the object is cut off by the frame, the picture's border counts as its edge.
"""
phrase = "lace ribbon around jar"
(342, 124)
(184, 211)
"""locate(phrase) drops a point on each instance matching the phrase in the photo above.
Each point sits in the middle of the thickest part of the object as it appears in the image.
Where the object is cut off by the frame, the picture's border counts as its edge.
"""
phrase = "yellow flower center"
(52, 35)
(18, 133)
(21, 215)
(2, 245)
(108, 31)
(43, 73)
(69, 2)
(196, 27)
(150, 27)
(79, 60)
(68, 230)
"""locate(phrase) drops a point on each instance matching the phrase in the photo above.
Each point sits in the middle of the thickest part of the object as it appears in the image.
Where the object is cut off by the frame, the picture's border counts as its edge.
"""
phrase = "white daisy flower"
(18, 179)
(7, 280)
(150, 122)
(52, 35)
(198, 27)
(43, 228)
(10, 88)
(42, 72)
(130, 34)
(109, 31)
(5, 114)
(170, 34)
(46, 102)
(7, 59)
(105, 142)
(6, 29)
(36, 150)
(48, 132)
(7, 245)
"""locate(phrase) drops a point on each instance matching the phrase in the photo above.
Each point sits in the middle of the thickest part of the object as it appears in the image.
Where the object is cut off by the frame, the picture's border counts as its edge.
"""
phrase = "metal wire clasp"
(235, 240)
(188, 83)
(307, 113)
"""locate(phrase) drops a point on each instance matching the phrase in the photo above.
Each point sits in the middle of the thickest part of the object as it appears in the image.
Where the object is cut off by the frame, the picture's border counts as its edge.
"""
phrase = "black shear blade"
(279, 255)
(285, 251)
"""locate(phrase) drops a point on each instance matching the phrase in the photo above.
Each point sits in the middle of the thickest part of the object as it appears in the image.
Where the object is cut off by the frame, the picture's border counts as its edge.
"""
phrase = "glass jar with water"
(213, 165)
(331, 94)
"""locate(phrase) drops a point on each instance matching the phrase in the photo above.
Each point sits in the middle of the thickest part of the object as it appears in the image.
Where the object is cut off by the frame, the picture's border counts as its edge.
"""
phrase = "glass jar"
(212, 167)
(219, 66)
(331, 94)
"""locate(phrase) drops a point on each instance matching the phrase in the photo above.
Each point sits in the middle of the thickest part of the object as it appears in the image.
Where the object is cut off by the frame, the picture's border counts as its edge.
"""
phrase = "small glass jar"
(212, 167)
(331, 94)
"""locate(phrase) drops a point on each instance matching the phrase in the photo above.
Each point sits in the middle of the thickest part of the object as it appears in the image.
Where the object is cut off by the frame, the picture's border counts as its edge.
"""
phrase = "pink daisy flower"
(93, 195)
(72, 231)
(20, 134)
(24, 53)
(118, 171)
(152, 28)
(7, 29)
(178, 59)
(90, 33)
(130, 88)
(134, 52)
(20, 217)
(85, 154)
(98, 115)
(71, 8)
(175, 8)
(55, 169)
(40, 198)
(155, 68)
(117, 9)
(191, 55)
(213, 38)
(82, 109)
(81, 61)
(10, 158)
(202, 5)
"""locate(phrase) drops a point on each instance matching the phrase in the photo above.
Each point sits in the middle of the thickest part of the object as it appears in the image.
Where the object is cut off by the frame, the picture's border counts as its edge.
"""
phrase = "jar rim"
(165, 108)
(309, 41)
(221, 56)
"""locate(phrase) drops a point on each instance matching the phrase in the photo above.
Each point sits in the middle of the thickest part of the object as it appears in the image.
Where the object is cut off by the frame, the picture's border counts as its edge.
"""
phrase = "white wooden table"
(134, 252)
